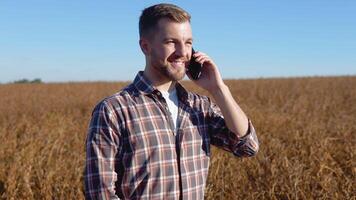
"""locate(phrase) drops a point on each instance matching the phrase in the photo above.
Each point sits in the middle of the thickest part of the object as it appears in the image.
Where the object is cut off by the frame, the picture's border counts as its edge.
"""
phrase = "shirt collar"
(145, 86)
(183, 94)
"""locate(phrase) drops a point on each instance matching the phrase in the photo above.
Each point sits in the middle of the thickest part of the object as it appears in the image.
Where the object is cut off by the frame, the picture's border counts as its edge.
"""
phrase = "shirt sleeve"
(102, 146)
(221, 136)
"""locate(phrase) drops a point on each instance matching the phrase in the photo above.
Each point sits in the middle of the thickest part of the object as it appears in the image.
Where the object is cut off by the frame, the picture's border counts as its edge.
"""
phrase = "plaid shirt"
(133, 153)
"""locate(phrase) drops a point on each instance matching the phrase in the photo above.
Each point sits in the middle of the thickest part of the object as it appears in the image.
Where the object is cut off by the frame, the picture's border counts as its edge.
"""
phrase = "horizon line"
(184, 80)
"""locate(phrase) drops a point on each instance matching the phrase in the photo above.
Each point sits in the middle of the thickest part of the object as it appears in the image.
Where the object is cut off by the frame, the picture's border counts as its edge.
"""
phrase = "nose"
(181, 50)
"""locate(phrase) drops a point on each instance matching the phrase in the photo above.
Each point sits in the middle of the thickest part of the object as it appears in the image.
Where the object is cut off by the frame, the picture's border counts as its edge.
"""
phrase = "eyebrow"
(168, 38)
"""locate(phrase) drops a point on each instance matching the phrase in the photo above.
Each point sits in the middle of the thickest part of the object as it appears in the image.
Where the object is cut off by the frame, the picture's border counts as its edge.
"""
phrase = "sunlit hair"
(151, 15)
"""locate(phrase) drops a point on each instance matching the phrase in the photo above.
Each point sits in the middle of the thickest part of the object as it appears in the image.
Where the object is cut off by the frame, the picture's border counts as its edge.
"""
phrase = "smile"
(178, 64)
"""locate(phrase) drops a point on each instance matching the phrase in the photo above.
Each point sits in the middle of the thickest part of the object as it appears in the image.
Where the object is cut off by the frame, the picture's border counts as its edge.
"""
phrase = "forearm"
(235, 118)
(101, 150)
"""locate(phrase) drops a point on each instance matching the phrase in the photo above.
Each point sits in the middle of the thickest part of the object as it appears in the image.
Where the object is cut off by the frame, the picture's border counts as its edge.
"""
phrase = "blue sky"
(77, 40)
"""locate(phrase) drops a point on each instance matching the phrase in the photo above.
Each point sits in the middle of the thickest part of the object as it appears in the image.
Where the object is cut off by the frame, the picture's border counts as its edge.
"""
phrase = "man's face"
(170, 48)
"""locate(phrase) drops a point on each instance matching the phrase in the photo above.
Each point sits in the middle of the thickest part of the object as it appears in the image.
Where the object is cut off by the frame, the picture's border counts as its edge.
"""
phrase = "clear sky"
(77, 40)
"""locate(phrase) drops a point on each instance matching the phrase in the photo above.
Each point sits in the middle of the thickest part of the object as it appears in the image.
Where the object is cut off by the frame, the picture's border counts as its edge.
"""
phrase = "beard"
(172, 73)
(167, 71)
(166, 68)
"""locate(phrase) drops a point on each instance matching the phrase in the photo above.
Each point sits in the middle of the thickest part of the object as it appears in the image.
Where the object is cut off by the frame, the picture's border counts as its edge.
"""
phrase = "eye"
(169, 42)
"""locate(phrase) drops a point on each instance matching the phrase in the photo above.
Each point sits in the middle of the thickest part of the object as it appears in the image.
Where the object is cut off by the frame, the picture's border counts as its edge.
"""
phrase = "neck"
(159, 81)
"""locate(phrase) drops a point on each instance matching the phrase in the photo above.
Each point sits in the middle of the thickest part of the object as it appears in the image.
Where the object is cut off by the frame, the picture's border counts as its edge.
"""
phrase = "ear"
(145, 46)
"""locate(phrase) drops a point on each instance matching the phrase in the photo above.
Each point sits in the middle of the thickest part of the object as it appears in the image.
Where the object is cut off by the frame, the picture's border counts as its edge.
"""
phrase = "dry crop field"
(306, 129)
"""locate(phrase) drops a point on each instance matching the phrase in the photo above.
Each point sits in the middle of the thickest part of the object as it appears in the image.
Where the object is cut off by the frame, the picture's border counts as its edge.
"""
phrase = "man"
(152, 139)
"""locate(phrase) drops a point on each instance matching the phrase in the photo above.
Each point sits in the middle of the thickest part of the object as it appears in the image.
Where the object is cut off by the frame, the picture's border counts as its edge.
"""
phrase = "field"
(306, 128)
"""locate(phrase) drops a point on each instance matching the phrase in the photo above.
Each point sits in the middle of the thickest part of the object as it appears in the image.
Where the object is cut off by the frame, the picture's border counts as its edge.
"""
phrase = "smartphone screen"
(194, 68)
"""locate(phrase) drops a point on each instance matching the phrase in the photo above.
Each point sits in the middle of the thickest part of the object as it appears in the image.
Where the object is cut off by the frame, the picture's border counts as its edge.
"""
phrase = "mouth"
(178, 64)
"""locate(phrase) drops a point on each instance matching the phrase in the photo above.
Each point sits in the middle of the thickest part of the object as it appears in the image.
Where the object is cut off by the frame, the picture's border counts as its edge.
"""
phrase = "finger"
(198, 53)
(202, 59)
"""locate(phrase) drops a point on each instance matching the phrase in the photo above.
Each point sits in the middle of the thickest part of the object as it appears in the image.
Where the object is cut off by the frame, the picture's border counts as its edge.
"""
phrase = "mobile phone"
(194, 68)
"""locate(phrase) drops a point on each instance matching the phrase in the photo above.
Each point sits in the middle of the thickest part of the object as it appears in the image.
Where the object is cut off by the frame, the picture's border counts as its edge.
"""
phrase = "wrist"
(219, 91)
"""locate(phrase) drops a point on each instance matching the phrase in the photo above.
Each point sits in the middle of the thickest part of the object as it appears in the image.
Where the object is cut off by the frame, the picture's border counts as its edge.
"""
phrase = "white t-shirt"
(171, 98)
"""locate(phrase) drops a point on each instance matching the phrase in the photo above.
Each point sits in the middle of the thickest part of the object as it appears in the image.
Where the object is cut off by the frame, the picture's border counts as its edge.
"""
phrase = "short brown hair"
(151, 15)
